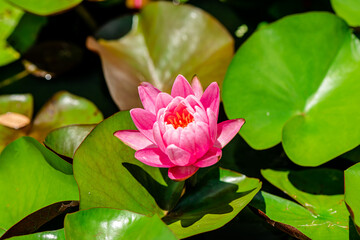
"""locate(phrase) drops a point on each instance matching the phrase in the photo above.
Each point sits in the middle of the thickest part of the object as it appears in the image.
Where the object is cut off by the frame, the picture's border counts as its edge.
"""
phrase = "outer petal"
(181, 173)
(211, 98)
(227, 130)
(134, 139)
(159, 141)
(212, 124)
(162, 100)
(144, 121)
(202, 139)
(197, 88)
(153, 157)
(210, 158)
(148, 94)
(178, 156)
(181, 87)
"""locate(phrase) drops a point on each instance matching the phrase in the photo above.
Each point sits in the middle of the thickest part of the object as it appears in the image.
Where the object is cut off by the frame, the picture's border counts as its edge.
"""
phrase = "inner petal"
(179, 117)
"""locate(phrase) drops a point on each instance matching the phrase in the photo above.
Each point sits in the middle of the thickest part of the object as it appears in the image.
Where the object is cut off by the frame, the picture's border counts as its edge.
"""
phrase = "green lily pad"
(323, 213)
(165, 40)
(217, 197)
(66, 140)
(108, 175)
(348, 10)
(50, 235)
(2, 231)
(16, 103)
(64, 109)
(296, 81)
(352, 193)
(44, 7)
(10, 16)
(107, 223)
(26, 169)
(353, 155)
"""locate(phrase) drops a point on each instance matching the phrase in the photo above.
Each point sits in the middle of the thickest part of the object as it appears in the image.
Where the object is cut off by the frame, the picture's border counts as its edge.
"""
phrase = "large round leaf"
(50, 235)
(217, 197)
(64, 109)
(348, 10)
(32, 177)
(45, 7)
(16, 103)
(114, 224)
(323, 213)
(352, 193)
(108, 175)
(166, 40)
(296, 81)
(10, 16)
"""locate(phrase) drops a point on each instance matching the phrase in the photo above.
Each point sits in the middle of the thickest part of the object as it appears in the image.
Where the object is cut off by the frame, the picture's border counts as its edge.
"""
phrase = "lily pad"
(15, 103)
(10, 16)
(26, 169)
(165, 40)
(216, 198)
(44, 7)
(108, 175)
(64, 109)
(107, 223)
(322, 213)
(50, 235)
(348, 10)
(352, 193)
(66, 140)
(296, 81)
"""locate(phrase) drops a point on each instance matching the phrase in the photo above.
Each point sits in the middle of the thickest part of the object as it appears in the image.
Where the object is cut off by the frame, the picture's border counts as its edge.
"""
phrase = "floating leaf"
(352, 193)
(323, 213)
(45, 7)
(66, 140)
(64, 109)
(107, 223)
(9, 18)
(50, 235)
(108, 175)
(348, 10)
(165, 40)
(213, 201)
(296, 81)
(26, 169)
(15, 103)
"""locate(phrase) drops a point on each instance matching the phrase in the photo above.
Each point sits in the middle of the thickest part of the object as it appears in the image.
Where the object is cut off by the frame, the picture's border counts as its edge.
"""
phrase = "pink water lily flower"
(179, 131)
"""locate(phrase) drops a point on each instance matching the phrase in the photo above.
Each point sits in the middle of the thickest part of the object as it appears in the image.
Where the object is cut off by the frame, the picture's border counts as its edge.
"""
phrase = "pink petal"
(187, 138)
(172, 136)
(178, 156)
(144, 121)
(162, 101)
(210, 158)
(134, 139)
(153, 157)
(227, 130)
(181, 87)
(211, 98)
(197, 88)
(158, 137)
(181, 173)
(202, 139)
(212, 125)
(148, 94)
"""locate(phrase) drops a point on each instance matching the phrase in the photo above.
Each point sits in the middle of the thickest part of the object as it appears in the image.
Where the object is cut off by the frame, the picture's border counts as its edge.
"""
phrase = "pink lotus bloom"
(179, 131)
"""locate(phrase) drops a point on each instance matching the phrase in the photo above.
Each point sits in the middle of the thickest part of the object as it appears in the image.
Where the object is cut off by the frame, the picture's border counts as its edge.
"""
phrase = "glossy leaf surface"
(64, 109)
(165, 40)
(352, 193)
(50, 235)
(66, 140)
(348, 10)
(108, 175)
(44, 7)
(323, 213)
(16, 103)
(216, 197)
(10, 16)
(30, 179)
(296, 81)
(107, 223)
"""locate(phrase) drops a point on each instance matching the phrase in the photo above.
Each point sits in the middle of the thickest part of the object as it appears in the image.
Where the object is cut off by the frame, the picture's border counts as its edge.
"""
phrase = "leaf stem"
(86, 16)
(14, 78)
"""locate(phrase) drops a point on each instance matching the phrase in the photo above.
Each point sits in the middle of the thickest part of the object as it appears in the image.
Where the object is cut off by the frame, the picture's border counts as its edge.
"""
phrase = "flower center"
(180, 117)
